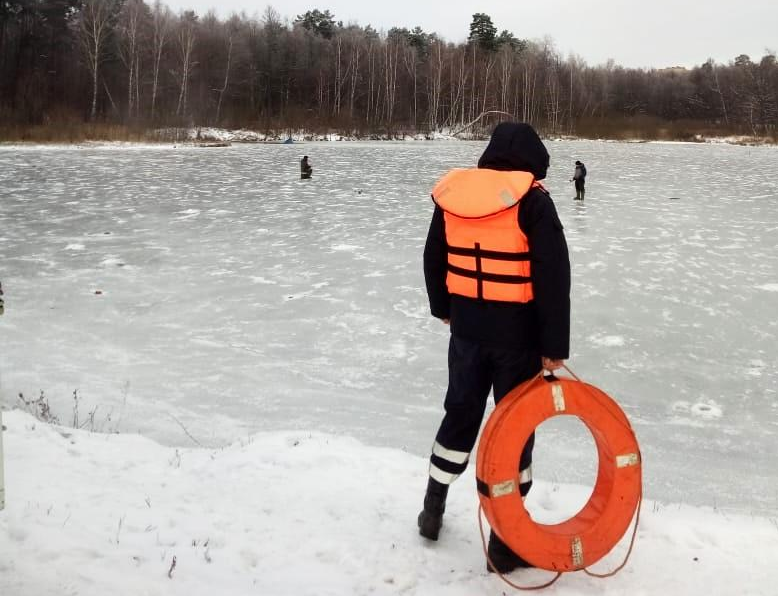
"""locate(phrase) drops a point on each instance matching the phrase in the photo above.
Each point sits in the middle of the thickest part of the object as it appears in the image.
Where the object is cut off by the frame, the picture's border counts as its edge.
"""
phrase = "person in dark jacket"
(579, 177)
(495, 344)
(306, 171)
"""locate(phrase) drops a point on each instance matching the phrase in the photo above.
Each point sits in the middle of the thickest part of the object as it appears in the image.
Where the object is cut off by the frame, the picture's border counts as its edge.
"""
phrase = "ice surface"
(213, 288)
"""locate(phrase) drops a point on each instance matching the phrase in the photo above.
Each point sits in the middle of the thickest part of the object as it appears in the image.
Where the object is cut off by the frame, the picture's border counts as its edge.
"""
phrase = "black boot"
(502, 557)
(431, 518)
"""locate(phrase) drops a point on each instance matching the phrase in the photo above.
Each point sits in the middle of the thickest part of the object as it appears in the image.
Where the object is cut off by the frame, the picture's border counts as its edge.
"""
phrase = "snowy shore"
(298, 513)
(217, 137)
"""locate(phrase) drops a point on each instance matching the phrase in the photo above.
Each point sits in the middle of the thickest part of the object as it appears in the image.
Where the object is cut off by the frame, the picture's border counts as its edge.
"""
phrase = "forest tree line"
(133, 63)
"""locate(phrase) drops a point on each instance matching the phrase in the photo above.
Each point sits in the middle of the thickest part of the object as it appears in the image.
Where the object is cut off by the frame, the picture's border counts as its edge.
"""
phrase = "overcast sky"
(649, 33)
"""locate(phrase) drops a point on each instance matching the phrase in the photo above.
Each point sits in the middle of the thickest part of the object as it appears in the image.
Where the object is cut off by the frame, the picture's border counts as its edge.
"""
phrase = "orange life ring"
(589, 535)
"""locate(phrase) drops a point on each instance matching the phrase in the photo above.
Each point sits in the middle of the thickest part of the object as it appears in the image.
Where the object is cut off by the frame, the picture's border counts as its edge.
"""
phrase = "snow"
(297, 136)
(303, 512)
(208, 296)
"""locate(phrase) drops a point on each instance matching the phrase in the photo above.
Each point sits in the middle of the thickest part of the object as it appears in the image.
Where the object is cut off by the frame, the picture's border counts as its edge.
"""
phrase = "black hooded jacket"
(543, 323)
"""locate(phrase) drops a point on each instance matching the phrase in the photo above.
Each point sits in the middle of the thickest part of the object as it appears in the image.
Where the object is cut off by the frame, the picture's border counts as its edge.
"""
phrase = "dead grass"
(73, 133)
(648, 128)
(637, 128)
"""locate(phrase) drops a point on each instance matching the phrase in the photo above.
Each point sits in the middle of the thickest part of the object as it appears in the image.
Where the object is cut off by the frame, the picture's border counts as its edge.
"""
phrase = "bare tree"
(340, 73)
(553, 94)
(457, 89)
(529, 87)
(231, 29)
(490, 59)
(435, 83)
(370, 108)
(717, 89)
(391, 58)
(473, 88)
(93, 29)
(161, 22)
(129, 29)
(507, 55)
(186, 40)
(410, 58)
(356, 50)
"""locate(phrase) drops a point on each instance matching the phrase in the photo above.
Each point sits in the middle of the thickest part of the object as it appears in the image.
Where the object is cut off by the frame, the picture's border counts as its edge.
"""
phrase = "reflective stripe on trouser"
(439, 473)
(474, 370)
(447, 464)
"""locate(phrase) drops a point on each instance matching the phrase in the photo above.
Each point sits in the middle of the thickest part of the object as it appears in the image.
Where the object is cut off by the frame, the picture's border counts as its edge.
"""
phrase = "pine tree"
(483, 32)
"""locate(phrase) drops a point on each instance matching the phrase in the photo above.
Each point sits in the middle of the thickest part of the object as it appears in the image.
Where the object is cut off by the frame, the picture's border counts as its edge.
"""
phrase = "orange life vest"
(488, 254)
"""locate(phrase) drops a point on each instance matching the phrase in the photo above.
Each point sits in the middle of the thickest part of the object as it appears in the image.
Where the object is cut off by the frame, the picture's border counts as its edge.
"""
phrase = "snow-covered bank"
(253, 136)
(445, 134)
(220, 137)
(303, 513)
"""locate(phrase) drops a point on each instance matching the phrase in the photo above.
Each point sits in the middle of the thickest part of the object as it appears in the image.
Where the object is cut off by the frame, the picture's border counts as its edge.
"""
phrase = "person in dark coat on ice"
(504, 328)
(579, 177)
(306, 171)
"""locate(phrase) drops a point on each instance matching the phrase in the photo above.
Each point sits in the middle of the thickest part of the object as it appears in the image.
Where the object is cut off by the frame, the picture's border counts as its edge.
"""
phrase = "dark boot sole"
(429, 527)
(508, 567)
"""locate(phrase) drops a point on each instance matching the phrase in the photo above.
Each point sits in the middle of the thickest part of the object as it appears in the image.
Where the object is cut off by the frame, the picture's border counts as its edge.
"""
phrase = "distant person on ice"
(579, 177)
(497, 271)
(306, 171)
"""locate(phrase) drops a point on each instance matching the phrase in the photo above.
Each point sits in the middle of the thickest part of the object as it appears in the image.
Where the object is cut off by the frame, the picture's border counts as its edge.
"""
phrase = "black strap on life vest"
(481, 276)
(488, 254)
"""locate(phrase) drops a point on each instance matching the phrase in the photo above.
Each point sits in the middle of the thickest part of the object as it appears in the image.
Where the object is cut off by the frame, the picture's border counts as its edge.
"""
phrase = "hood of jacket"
(515, 146)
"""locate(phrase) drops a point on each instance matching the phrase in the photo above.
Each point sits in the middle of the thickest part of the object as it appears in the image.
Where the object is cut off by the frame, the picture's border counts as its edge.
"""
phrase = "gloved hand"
(551, 364)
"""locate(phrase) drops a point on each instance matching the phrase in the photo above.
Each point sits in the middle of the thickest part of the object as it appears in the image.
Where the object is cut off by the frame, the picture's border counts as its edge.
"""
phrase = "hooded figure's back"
(542, 323)
(516, 146)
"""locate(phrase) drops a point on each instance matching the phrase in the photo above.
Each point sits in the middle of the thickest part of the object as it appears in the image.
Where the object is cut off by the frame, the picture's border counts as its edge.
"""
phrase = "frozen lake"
(234, 297)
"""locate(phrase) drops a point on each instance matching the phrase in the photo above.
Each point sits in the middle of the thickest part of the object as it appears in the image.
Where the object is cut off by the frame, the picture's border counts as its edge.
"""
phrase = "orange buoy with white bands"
(590, 534)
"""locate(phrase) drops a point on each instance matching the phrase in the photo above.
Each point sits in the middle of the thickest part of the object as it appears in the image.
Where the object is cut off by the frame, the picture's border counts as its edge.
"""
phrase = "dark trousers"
(473, 370)
(580, 189)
